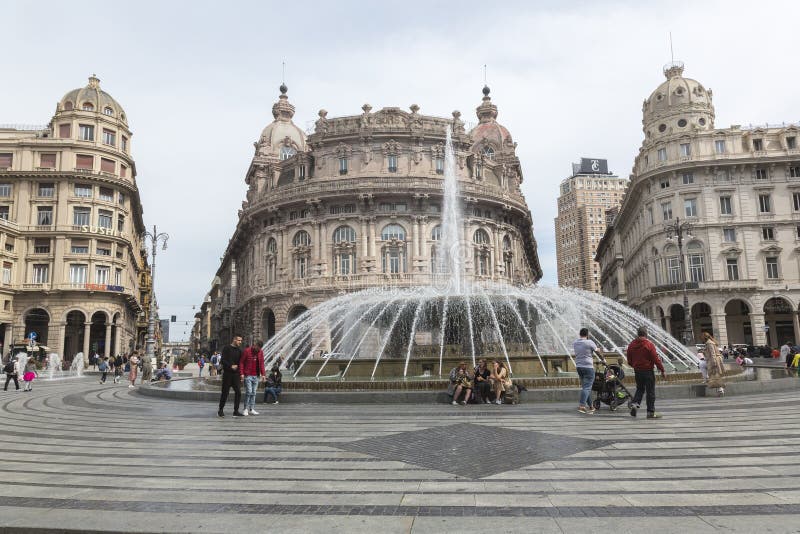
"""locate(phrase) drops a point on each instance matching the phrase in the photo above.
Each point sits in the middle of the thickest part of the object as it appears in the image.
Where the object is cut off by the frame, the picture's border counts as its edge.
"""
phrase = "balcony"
(36, 286)
(666, 288)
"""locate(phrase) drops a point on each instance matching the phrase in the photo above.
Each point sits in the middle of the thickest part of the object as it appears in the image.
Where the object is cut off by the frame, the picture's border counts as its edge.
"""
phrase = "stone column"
(117, 339)
(412, 256)
(757, 326)
(372, 238)
(720, 328)
(86, 333)
(8, 336)
(364, 243)
(796, 324)
(318, 242)
(107, 347)
(58, 346)
(283, 265)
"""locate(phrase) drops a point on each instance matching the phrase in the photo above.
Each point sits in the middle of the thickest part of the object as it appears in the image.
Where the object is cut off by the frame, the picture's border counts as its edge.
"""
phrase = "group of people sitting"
(481, 385)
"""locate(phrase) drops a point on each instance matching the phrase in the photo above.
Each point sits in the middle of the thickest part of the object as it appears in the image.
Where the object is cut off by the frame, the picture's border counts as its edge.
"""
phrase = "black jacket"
(230, 357)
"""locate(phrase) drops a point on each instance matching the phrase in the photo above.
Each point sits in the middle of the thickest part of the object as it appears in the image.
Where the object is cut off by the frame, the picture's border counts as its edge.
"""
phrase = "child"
(703, 366)
(30, 374)
(103, 368)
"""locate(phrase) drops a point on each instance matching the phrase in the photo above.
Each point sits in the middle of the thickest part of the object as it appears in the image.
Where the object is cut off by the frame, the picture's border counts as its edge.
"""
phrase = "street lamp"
(675, 232)
(155, 237)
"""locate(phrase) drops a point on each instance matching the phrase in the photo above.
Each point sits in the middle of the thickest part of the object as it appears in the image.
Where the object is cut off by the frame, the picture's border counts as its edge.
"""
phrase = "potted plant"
(180, 362)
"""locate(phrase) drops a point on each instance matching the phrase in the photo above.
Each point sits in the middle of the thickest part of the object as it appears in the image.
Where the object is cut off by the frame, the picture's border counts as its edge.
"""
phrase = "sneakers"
(586, 409)
(253, 412)
(634, 408)
(131, 386)
(455, 403)
(246, 412)
(463, 403)
(498, 401)
(276, 401)
(653, 415)
(582, 409)
(220, 414)
(238, 414)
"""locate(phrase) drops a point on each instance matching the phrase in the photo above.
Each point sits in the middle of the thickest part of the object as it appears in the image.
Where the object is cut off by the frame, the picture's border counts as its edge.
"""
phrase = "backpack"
(9, 368)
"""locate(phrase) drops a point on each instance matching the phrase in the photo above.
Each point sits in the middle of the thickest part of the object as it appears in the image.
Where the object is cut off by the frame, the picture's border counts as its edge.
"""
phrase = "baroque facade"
(356, 204)
(70, 230)
(584, 197)
(739, 188)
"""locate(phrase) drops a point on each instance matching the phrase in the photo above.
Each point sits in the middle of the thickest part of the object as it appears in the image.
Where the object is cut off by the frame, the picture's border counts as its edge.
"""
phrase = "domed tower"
(282, 138)
(677, 105)
(490, 138)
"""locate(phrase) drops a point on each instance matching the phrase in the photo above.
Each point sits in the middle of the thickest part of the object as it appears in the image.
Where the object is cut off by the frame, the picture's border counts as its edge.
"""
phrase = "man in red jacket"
(642, 356)
(251, 369)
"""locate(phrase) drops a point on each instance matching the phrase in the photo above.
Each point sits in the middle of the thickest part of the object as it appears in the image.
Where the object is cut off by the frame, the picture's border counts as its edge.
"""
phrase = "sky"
(198, 80)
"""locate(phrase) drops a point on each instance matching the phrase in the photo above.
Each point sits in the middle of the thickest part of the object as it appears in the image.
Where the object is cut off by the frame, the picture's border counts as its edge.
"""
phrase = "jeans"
(586, 374)
(230, 379)
(250, 386)
(9, 378)
(103, 378)
(274, 391)
(645, 382)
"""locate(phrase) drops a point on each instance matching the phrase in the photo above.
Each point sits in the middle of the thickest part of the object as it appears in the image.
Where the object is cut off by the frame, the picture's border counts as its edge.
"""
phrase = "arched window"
(344, 234)
(506, 243)
(508, 257)
(88, 106)
(436, 233)
(673, 265)
(272, 246)
(697, 269)
(480, 237)
(108, 111)
(393, 231)
(658, 268)
(488, 153)
(301, 239)
(272, 260)
(68, 105)
(287, 152)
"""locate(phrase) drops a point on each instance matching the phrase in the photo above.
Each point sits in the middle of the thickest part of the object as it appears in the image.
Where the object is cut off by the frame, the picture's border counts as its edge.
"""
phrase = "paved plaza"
(88, 457)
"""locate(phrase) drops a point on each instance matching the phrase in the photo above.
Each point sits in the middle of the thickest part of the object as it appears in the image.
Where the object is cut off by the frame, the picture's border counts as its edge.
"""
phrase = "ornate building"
(70, 227)
(356, 205)
(582, 203)
(739, 188)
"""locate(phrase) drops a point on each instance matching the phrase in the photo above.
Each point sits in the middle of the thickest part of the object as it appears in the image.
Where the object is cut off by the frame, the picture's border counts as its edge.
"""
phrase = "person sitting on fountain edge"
(482, 386)
(460, 380)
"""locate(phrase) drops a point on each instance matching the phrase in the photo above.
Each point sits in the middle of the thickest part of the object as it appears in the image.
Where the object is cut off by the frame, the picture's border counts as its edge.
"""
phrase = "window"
(758, 144)
(7, 266)
(439, 165)
(120, 223)
(768, 233)
(436, 233)
(664, 183)
(46, 190)
(41, 246)
(772, 267)
(86, 132)
(81, 216)
(342, 165)
(88, 106)
(666, 211)
(103, 248)
(387, 207)
(120, 255)
(343, 263)
(480, 237)
(118, 277)
(673, 270)
(5, 160)
(41, 273)
(104, 219)
(729, 235)
(47, 161)
(108, 111)
(732, 266)
(9, 244)
(287, 152)
(764, 204)
(79, 247)
(686, 149)
(106, 194)
(78, 273)
(84, 191)
(344, 234)
(101, 274)
(300, 267)
(121, 199)
(342, 208)
(798, 232)
(662, 154)
(108, 165)
(301, 239)
(301, 172)
(650, 218)
(761, 174)
(719, 146)
(393, 231)
(124, 144)
(488, 153)
(796, 201)
(688, 178)
(65, 131)
(109, 137)
(84, 162)
(690, 207)
(697, 271)
(392, 163)
(791, 143)
(725, 207)
(794, 172)
(44, 215)
(5, 211)
(5, 190)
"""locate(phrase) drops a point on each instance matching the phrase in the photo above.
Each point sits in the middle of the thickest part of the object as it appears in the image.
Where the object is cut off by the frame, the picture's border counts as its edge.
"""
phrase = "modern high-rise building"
(70, 230)
(583, 200)
(164, 330)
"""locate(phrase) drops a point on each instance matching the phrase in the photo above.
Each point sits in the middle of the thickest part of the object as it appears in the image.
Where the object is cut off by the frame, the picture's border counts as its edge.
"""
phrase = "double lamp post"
(155, 238)
(676, 231)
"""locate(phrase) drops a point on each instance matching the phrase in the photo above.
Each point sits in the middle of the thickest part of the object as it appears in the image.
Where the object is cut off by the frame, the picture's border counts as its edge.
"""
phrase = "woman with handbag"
(714, 364)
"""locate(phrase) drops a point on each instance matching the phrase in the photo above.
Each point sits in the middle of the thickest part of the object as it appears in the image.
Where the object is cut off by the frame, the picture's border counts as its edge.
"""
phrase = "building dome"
(678, 104)
(489, 132)
(282, 137)
(92, 98)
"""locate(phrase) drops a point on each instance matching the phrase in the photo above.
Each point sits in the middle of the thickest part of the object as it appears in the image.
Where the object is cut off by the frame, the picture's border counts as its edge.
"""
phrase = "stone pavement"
(95, 458)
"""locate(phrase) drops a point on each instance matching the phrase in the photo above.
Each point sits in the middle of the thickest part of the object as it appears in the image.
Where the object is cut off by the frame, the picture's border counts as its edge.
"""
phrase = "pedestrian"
(642, 356)
(103, 368)
(251, 370)
(704, 366)
(584, 349)
(30, 374)
(716, 366)
(118, 368)
(134, 363)
(231, 355)
(10, 369)
(786, 350)
(213, 369)
(273, 384)
(201, 363)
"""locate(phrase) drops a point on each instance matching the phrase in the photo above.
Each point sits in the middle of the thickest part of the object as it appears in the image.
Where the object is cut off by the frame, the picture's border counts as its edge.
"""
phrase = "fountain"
(405, 333)
(54, 366)
(76, 367)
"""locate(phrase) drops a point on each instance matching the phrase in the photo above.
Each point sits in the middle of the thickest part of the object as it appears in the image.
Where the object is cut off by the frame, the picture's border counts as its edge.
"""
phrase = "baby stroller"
(609, 387)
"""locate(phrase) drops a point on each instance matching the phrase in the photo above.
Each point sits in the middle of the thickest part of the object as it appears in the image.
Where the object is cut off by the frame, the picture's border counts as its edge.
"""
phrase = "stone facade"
(739, 188)
(70, 229)
(582, 203)
(356, 205)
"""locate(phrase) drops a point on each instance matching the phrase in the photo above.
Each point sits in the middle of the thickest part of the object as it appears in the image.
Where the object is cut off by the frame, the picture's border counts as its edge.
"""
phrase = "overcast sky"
(198, 80)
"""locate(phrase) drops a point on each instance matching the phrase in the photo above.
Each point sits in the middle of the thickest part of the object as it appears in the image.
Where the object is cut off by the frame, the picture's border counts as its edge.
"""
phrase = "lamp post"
(675, 232)
(155, 237)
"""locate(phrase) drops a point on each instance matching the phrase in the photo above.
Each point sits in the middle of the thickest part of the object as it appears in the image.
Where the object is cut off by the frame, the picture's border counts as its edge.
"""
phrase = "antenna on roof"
(671, 53)
(283, 72)
(484, 74)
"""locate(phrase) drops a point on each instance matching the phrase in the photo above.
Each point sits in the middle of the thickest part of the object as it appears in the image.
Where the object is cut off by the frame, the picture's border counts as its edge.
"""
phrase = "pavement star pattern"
(76, 451)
